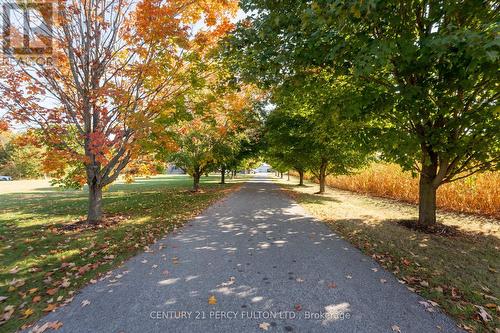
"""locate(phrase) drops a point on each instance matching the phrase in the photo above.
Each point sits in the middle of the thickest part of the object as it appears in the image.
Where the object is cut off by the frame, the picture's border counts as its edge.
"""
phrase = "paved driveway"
(263, 263)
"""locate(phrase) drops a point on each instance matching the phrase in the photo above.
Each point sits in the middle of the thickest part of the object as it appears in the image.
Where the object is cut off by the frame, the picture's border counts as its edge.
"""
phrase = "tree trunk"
(281, 175)
(322, 176)
(426, 201)
(94, 215)
(430, 179)
(196, 181)
(301, 178)
(223, 175)
(288, 175)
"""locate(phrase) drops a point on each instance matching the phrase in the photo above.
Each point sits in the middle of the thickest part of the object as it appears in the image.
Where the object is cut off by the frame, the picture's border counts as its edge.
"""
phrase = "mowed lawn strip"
(460, 273)
(42, 264)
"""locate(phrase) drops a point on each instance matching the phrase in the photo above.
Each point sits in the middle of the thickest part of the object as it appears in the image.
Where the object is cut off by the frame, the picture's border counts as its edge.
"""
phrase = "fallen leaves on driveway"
(395, 328)
(231, 281)
(332, 285)
(264, 326)
(212, 300)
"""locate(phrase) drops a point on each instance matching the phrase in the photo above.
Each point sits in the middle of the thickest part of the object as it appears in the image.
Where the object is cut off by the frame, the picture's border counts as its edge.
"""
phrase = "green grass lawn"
(458, 272)
(42, 265)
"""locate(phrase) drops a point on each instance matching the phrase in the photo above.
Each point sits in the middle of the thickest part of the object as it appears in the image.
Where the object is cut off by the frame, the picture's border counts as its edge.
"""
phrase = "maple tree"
(428, 69)
(19, 158)
(145, 165)
(215, 128)
(310, 132)
(113, 66)
(240, 140)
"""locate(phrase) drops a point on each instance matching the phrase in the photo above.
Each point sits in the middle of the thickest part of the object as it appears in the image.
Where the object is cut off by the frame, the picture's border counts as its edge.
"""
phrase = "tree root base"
(437, 229)
(108, 220)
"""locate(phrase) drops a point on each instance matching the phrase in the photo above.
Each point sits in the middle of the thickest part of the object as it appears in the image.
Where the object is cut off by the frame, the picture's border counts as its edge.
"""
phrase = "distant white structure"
(173, 169)
(263, 168)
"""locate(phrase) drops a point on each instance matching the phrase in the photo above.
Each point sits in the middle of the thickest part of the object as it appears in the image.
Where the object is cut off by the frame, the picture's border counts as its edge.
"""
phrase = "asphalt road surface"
(253, 262)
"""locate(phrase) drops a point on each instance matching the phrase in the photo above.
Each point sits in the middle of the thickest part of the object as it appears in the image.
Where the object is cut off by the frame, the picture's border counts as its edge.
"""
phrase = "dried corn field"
(478, 194)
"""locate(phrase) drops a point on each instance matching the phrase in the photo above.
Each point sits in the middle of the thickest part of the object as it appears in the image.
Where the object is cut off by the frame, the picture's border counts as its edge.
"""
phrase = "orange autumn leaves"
(222, 115)
(190, 22)
(101, 108)
(4, 126)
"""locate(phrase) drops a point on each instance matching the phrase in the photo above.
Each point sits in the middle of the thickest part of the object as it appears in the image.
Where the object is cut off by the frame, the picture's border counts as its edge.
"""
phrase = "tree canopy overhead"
(427, 70)
(114, 65)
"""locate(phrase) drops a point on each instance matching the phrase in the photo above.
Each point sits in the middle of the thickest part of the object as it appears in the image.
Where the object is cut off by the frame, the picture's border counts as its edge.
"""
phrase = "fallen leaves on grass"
(77, 254)
(16, 283)
(81, 224)
(442, 230)
(50, 307)
(485, 316)
(52, 291)
(26, 313)
(7, 313)
(14, 270)
(422, 265)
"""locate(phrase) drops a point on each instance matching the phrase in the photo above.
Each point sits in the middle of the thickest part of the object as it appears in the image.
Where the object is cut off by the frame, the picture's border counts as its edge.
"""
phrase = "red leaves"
(4, 126)
(406, 262)
(52, 291)
(84, 269)
(98, 146)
